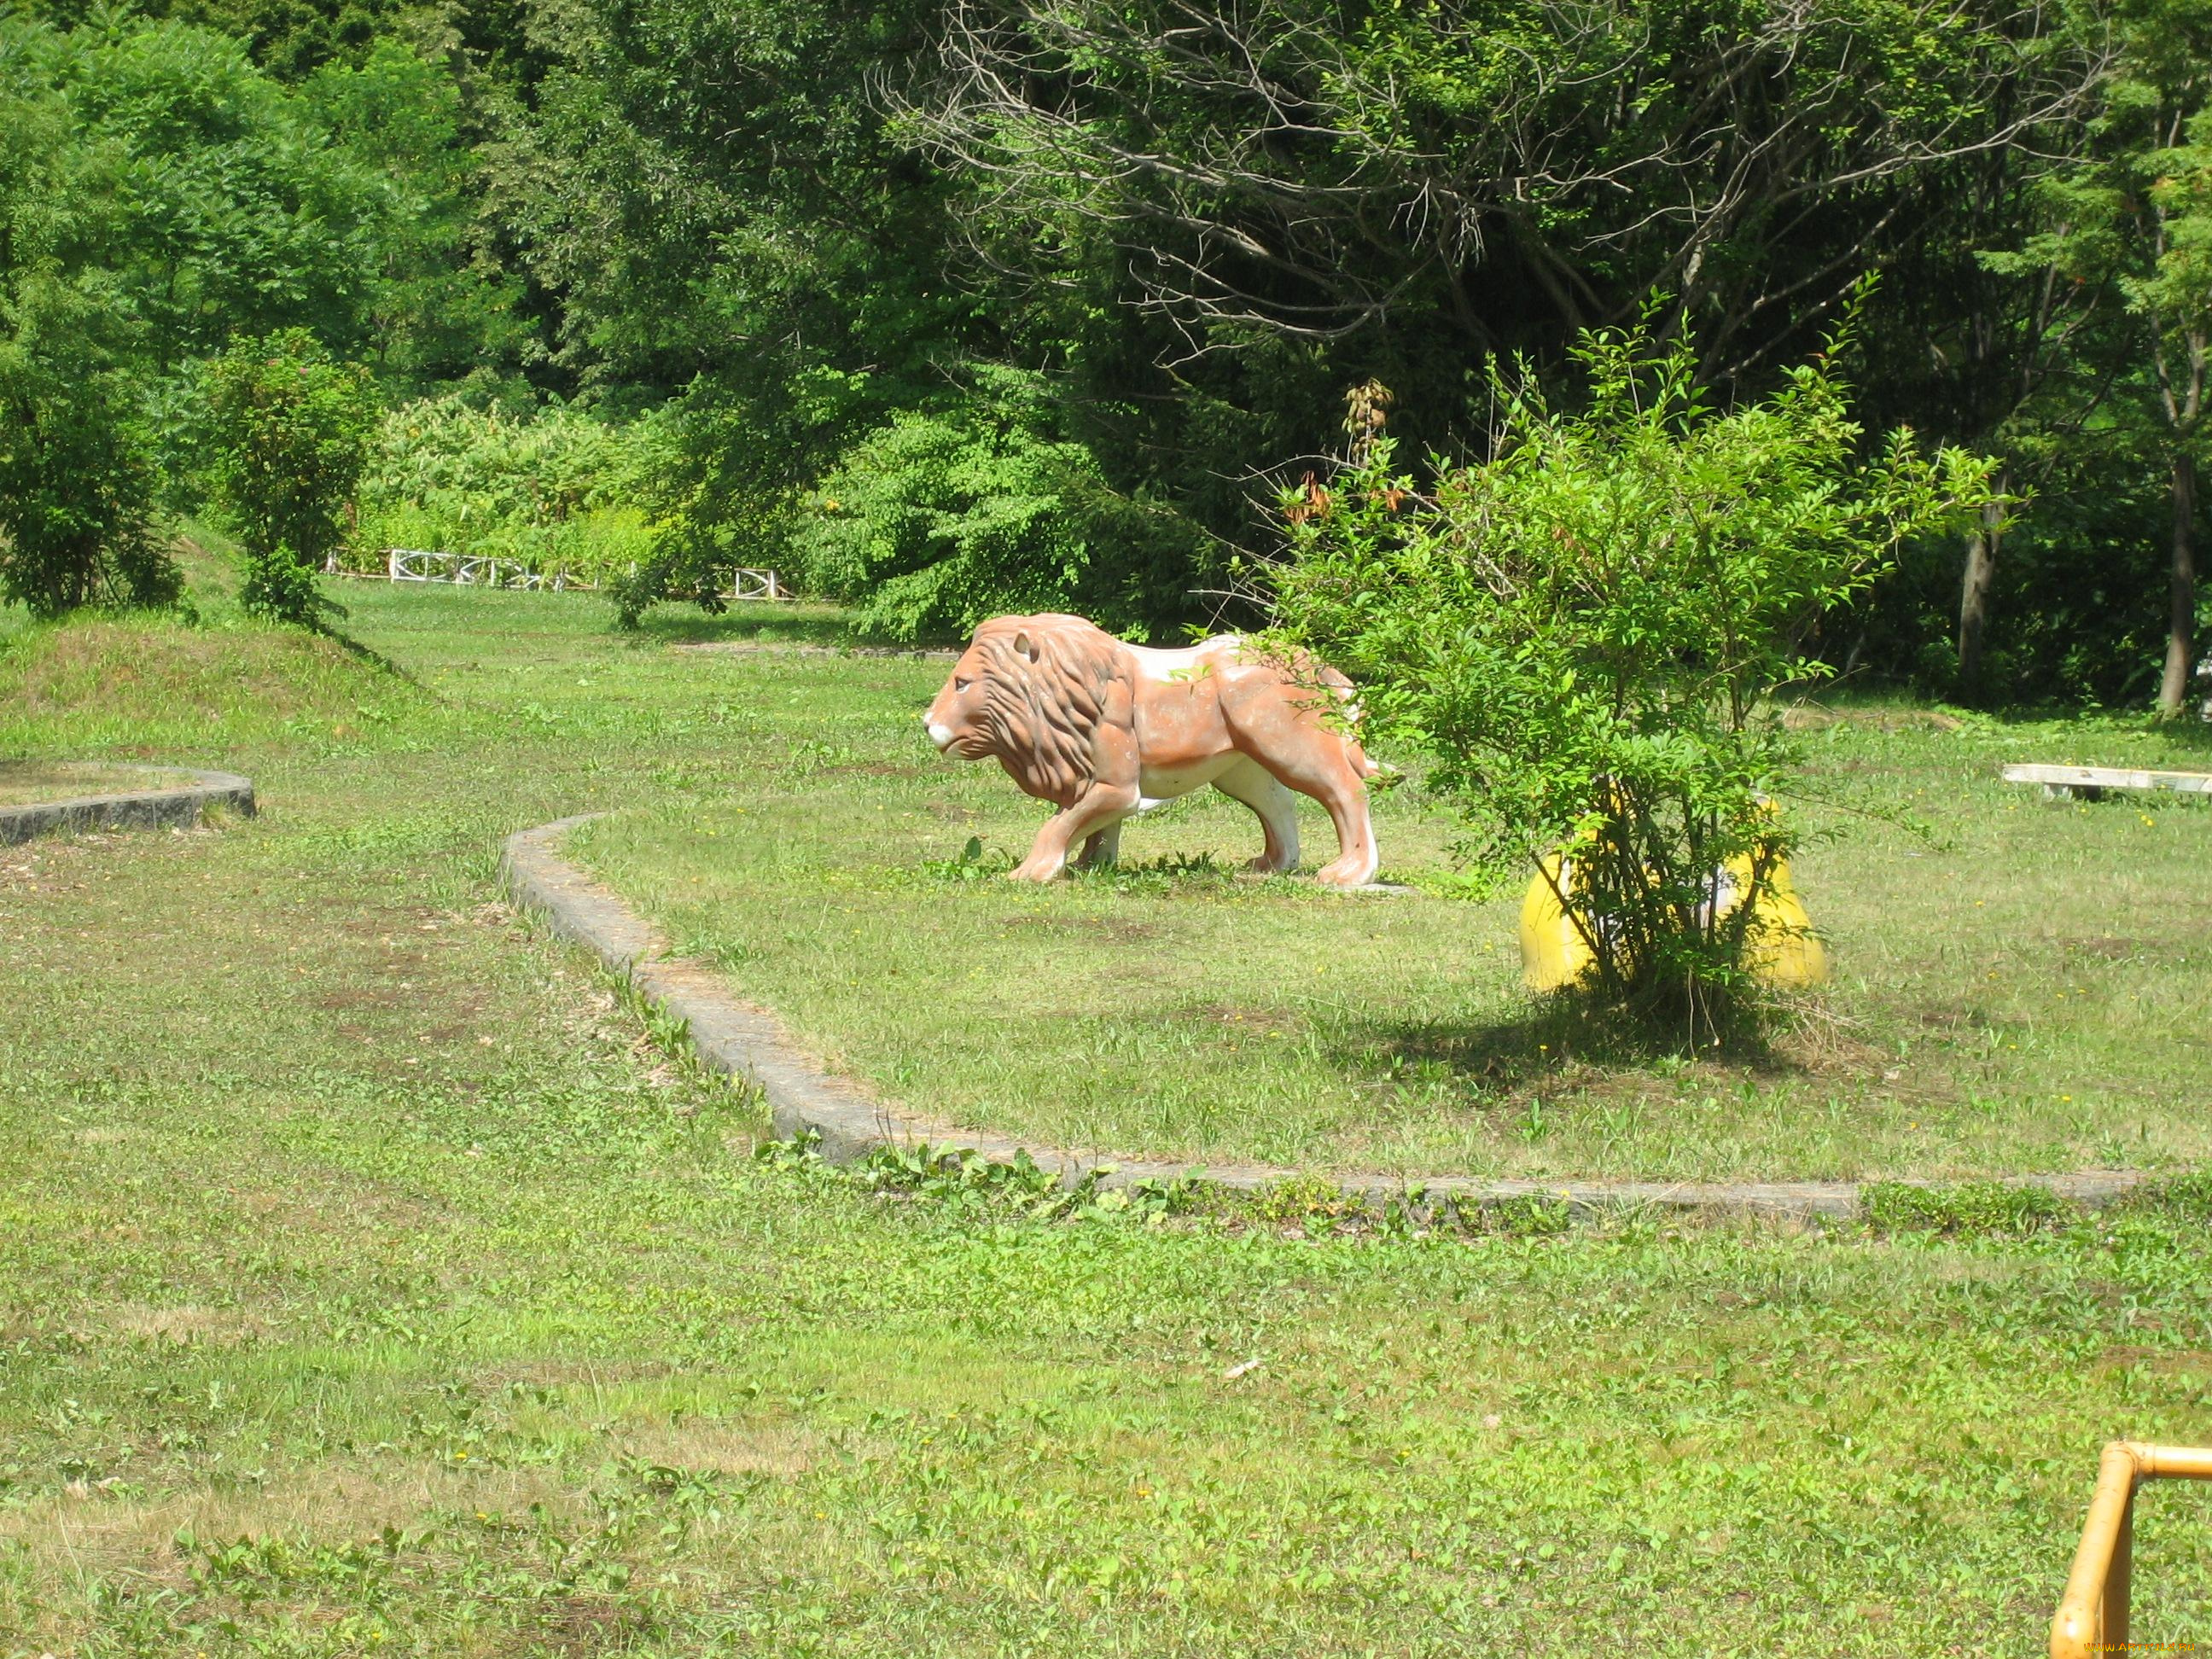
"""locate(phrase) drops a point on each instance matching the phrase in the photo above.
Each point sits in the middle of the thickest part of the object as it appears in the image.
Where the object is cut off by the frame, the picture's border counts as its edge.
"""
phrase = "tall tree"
(2134, 216)
(74, 480)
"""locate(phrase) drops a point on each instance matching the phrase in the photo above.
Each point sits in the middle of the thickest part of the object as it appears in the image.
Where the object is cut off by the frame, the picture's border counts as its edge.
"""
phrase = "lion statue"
(1104, 729)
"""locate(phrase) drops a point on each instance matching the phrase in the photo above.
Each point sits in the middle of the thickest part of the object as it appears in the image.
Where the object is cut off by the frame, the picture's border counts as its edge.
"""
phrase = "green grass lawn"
(369, 1284)
(2025, 988)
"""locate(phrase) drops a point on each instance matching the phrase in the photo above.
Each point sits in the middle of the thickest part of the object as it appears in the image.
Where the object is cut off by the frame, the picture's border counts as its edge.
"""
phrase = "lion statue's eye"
(961, 684)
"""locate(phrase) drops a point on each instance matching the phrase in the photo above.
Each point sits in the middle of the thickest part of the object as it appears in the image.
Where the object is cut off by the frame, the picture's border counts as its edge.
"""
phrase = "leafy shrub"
(74, 484)
(290, 430)
(935, 521)
(558, 490)
(1587, 631)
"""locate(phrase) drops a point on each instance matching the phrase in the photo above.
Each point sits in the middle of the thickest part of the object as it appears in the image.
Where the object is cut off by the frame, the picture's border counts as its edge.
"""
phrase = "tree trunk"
(1974, 596)
(2181, 599)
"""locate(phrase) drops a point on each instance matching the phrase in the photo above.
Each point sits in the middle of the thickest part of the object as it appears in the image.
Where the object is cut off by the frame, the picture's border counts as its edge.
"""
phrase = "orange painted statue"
(1103, 729)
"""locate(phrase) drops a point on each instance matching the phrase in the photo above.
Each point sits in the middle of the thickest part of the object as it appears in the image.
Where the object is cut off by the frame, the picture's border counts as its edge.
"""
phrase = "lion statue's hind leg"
(1277, 808)
(1277, 725)
(1326, 771)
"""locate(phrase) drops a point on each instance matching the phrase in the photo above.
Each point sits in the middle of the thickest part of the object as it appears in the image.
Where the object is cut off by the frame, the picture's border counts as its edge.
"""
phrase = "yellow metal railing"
(2092, 1618)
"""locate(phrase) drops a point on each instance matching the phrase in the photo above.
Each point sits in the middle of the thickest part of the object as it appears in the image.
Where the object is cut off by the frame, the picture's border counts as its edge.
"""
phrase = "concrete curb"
(749, 1043)
(800, 648)
(143, 810)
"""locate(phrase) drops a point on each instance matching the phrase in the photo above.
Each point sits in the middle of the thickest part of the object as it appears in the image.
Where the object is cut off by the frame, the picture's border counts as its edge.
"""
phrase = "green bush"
(935, 521)
(290, 432)
(558, 490)
(1587, 632)
(74, 484)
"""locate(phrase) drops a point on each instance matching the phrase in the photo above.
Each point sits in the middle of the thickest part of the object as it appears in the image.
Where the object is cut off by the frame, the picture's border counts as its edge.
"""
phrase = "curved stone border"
(807, 648)
(749, 1043)
(142, 810)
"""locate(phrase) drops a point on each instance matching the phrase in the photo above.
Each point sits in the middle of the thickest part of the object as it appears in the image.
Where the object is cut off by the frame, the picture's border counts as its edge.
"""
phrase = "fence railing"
(409, 564)
(2093, 1618)
(404, 564)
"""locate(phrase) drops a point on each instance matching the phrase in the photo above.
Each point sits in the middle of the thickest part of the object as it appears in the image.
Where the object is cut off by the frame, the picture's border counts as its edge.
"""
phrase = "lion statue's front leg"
(1102, 728)
(1095, 809)
(1099, 808)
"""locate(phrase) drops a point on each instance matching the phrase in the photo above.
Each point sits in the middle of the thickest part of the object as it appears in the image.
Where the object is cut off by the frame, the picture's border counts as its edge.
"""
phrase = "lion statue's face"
(1027, 692)
(959, 721)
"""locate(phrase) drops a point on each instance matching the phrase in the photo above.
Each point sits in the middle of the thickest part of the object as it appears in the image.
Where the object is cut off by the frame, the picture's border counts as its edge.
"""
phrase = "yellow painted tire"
(1783, 950)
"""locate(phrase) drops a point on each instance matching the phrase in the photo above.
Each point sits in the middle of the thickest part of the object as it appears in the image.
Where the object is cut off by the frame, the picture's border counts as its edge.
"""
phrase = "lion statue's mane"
(1041, 711)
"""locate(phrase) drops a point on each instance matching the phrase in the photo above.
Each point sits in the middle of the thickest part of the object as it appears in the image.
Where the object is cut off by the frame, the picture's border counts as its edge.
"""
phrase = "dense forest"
(947, 307)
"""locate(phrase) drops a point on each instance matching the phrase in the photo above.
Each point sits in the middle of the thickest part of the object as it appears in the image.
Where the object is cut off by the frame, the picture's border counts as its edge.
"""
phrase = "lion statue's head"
(1029, 692)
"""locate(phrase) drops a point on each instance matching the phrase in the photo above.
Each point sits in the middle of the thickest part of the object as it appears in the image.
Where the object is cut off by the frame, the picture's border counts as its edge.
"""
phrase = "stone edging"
(142, 810)
(803, 648)
(749, 1043)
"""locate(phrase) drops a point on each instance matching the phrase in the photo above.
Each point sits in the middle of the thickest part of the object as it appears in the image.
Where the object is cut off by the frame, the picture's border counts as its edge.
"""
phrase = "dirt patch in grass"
(1113, 928)
(186, 1324)
(82, 1525)
(700, 1445)
(577, 1626)
(359, 996)
(2169, 1361)
(2106, 948)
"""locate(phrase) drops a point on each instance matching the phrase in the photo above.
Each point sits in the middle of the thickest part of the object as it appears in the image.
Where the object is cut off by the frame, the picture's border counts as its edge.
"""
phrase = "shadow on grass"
(368, 654)
(1559, 1033)
(745, 623)
(1186, 875)
(791, 623)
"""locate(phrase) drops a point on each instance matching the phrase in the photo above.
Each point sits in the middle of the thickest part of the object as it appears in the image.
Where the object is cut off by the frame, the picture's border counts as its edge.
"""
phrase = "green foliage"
(729, 225)
(1304, 1198)
(290, 430)
(557, 489)
(1586, 631)
(229, 211)
(213, 200)
(2126, 218)
(442, 309)
(2188, 1197)
(933, 522)
(74, 482)
(824, 246)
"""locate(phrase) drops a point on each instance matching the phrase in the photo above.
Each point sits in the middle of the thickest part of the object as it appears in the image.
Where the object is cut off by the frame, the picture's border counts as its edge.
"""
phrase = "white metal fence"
(408, 564)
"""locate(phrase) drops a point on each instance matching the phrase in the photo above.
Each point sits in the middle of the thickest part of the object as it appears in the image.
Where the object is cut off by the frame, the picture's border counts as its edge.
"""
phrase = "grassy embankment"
(370, 1284)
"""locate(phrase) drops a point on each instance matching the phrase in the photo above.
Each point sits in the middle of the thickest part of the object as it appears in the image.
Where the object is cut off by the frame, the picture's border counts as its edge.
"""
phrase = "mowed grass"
(2018, 985)
(370, 1282)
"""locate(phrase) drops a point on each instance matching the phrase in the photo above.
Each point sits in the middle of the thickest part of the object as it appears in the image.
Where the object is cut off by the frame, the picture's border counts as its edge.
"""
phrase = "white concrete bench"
(2090, 782)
